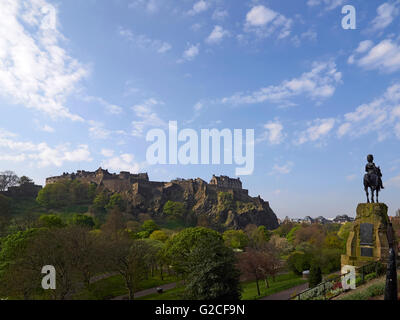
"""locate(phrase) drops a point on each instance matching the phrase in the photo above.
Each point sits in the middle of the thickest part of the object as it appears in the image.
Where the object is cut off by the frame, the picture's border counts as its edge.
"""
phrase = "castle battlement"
(226, 182)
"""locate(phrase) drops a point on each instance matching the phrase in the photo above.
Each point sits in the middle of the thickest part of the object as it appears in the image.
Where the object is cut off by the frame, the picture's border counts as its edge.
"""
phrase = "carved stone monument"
(368, 239)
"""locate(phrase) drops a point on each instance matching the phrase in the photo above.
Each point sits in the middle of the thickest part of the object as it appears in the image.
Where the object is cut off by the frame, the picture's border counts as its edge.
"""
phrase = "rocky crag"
(223, 201)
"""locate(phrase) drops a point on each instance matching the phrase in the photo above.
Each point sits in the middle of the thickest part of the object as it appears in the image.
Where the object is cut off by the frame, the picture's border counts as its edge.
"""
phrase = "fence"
(333, 287)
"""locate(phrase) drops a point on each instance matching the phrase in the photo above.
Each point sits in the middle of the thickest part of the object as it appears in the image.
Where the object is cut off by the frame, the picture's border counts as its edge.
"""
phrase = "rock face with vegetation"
(221, 202)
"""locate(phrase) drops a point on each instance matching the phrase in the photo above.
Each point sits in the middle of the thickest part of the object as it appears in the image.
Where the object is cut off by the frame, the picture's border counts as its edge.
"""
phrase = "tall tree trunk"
(266, 282)
(258, 287)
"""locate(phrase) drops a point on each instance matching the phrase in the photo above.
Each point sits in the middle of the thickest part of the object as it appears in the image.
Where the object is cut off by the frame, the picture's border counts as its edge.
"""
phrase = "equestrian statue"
(372, 179)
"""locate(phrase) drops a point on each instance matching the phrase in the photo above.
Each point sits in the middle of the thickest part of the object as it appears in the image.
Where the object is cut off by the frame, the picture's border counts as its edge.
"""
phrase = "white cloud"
(381, 116)
(124, 162)
(146, 117)
(220, 14)
(264, 22)
(47, 128)
(144, 42)
(386, 13)
(351, 177)
(393, 182)
(191, 52)
(107, 153)
(283, 169)
(317, 130)
(151, 6)
(41, 154)
(198, 7)
(35, 71)
(318, 84)
(273, 134)
(384, 56)
(198, 106)
(217, 35)
(97, 130)
(110, 108)
(329, 4)
(309, 35)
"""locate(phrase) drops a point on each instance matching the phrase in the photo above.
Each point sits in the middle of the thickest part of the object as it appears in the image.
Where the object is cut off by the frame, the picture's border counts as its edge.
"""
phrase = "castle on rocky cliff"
(125, 181)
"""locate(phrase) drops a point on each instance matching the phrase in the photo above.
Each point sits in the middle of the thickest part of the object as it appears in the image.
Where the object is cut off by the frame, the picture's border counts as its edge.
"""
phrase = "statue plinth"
(368, 239)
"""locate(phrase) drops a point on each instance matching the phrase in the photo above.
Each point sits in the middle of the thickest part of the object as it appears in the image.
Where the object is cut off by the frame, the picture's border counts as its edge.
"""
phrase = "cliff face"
(223, 201)
(230, 207)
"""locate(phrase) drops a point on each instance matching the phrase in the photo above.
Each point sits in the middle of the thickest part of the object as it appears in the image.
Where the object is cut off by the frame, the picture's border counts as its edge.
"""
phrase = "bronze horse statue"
(372, 179)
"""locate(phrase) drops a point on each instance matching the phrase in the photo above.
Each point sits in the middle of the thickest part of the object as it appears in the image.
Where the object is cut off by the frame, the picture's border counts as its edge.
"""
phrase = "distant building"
(26, 190)
(343, 219)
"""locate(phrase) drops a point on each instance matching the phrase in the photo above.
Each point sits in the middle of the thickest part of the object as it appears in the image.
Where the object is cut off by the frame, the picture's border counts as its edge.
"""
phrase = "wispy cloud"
(190, 53)
(283, 169)
(318, 84)
(217, 35)
(385, 56)
(124, 162)
(144, 42)
(41, 154)
(386, 13)
(316, 131)
(381, 116)
(273, 133)
(199, 7)
(146, 117)
(264, 22)
(35, 70)
(328, 4)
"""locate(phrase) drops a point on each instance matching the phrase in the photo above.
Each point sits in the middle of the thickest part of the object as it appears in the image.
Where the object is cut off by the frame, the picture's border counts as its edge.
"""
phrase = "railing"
(333, 287)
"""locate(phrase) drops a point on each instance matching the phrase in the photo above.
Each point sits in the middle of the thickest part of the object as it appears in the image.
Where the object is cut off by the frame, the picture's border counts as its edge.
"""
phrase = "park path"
(286, 294)
(147, 292)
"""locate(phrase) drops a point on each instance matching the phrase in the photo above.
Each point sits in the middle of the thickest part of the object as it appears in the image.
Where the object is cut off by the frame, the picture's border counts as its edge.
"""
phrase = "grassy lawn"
(282, 282)
(115, 286)
(173, 294)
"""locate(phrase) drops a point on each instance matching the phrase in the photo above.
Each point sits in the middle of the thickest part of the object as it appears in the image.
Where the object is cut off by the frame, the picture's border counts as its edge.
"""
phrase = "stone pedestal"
(368, 240)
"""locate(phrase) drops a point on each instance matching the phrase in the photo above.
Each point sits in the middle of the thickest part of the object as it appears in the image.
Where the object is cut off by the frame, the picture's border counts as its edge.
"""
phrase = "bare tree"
(8, 179)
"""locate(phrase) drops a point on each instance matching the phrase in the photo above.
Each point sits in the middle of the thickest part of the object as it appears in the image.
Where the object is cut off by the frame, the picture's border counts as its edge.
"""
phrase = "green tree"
(116, 200)
(174, 210)
(100, 202)
(5, 205)
(24, 180)
(149, 226)
(159, 235)
(236, 239)
(298, 262)
(179, 247)
(315, 276)
(83, 220)
(51, 221)
(213, 273)
(54, 196)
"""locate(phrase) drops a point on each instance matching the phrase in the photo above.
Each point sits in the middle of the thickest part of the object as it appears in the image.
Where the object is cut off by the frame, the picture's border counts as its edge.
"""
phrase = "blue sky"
(82, 82)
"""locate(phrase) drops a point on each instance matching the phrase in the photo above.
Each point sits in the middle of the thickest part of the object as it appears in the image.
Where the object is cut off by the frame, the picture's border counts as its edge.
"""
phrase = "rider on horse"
(371, 168)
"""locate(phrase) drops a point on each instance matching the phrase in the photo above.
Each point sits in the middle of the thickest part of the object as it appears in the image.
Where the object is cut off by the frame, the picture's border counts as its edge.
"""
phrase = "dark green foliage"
(315, 277)
(5, 205)
(24, 180)
(174, 210)
(83, 220)
(116, 200)
(65, 193)
(100, 202)
(51, 221)
(236, 239)
(149, 226)
(299, 261)
(213, 274)
(179, 247)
